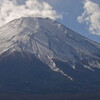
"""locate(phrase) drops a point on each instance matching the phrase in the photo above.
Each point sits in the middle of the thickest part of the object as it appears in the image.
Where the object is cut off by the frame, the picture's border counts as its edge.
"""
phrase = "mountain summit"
(65, 57)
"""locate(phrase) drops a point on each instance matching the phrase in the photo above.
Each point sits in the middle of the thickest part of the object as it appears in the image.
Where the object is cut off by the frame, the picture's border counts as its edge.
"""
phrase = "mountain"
(39, 55)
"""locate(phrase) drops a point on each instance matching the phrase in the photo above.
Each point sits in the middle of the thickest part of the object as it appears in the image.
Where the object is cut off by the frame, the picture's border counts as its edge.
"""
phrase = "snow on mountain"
(48, 40)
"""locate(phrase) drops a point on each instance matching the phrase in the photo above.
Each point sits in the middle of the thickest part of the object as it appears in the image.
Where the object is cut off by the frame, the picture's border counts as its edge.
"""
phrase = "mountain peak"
(47, 40)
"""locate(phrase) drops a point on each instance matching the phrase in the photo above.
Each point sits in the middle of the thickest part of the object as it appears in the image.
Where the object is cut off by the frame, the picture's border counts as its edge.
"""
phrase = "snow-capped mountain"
(62, 50)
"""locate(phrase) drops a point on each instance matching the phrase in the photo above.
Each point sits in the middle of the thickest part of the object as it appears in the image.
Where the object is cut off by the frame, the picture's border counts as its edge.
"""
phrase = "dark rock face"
(25, 73)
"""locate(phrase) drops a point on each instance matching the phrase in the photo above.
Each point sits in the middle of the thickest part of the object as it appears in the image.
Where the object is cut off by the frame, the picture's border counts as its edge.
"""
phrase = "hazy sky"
(82, 16)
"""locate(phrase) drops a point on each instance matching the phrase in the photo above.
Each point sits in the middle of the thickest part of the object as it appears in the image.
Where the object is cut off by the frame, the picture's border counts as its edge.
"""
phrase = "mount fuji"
(39, 55)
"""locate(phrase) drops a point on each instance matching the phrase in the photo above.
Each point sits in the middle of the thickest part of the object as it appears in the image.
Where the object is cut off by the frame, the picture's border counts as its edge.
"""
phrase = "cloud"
(91, 16)
(9, 10)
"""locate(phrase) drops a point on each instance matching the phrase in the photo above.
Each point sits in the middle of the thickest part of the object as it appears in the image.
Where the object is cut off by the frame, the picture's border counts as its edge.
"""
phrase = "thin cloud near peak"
(34, 8)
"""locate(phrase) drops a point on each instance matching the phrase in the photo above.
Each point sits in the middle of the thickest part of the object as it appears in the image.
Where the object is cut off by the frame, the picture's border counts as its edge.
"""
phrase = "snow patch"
(74, 67)
(88, 68)
(54, 68)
